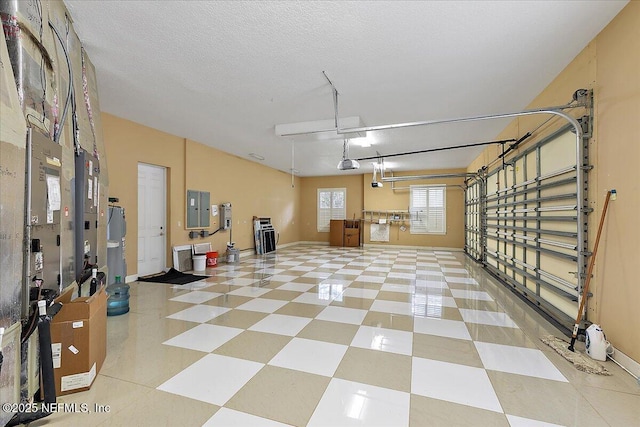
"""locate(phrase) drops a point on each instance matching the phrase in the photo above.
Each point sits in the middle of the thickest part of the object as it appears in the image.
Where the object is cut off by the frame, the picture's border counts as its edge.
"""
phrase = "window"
(428, 209)
(332, 204)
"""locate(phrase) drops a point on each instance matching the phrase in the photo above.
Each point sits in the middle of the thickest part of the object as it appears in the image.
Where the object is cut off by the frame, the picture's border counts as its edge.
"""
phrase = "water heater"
(225, 216)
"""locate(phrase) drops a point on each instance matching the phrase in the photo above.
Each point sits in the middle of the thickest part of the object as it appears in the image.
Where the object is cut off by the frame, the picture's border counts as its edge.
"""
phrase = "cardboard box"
(79, 341)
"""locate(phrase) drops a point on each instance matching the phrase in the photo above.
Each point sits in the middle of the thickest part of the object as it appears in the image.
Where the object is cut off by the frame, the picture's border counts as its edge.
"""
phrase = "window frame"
(427, 211)
(320, 212)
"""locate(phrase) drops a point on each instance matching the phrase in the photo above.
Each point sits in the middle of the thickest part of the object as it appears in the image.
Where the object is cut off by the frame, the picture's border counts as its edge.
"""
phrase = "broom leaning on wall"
(582, 362)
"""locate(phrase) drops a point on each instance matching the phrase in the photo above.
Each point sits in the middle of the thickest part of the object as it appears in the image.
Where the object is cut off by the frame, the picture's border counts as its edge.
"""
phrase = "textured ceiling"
(224, 73)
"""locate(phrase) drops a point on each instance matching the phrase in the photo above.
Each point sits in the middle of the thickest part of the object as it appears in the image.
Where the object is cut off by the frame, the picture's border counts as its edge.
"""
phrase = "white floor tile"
(449, 262)
(332, 266)
(315, 357)
(394, 275)
(427, 264)
(431, 299)
(315, 298)
(305, 268)
(526, 422)
(353, 316)
(461, 384)
(410, 267)
(290, 263)
(487, 318)
(213, 379)
(193, 286)
(430, 275)
(369, 279)
(392, 287)
(389, 340)
(464, 280)
(378, 269)
(441, 327)
(233, 274)
(360, 293)
(229, 417)
(270, 271)
(204, 337)
(431, 284)
(282, 278)
(196, 297)
(250, 291)
(263, 305)
(281, 324)
(199, 313)
(294, 286)
(454, 270)
(358, 264)
(473, 295)
(240, 281)
(317, 261)
(517, 360)
(336, 282)
(349, 272)
(348, 403)
(317, 274)
(394, 307)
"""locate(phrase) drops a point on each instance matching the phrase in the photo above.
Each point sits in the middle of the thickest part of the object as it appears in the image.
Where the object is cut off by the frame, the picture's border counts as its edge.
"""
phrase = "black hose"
(46, 359)
(46, 369)
(211, 234)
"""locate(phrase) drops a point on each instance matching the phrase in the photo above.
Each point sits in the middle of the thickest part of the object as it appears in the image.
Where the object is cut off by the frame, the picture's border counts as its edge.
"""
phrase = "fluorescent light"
(256, 156)
(364, 142)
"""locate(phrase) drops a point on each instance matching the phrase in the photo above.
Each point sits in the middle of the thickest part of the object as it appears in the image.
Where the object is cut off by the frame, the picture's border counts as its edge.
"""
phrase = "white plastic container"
(199, 262)
(596, 343)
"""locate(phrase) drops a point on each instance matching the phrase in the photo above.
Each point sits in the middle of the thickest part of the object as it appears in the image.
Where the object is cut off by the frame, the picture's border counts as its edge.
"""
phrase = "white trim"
(131, 278)
(627, 362)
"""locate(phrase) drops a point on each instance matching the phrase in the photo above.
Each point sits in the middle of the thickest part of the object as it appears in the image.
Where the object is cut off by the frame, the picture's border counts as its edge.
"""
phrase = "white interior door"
(151, 219)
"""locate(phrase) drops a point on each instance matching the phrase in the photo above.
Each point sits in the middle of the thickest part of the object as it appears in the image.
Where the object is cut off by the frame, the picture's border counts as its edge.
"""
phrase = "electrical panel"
(204, 210)
(44, 212)
(87, 180)
(225, 216)
(198, 209)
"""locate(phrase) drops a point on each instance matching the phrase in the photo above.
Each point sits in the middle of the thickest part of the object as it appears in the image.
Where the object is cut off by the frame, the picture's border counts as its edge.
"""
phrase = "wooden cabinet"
(344, 232)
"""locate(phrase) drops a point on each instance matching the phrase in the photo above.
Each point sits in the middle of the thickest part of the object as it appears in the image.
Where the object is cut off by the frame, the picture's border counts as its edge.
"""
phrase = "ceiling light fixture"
(256, 156)
(346, 163)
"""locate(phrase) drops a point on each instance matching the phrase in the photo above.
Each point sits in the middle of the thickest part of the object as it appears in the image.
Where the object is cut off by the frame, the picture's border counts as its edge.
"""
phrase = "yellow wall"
(361, 196)
(252, 189)
(610, 65)
(386, 198)
(308, 202)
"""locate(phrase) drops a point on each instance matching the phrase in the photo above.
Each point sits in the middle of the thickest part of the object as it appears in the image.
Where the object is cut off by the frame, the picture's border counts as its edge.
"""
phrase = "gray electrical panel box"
(198, 209)
(87, 180)
(225, 216)
(44, 215)
(205, 209)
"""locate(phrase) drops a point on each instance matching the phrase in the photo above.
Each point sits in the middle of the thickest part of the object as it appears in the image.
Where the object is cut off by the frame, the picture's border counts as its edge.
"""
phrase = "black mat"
(172, 276)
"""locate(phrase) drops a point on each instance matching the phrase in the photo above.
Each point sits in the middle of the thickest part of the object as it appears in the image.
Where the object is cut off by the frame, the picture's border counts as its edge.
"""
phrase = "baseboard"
(304, 242)
(131, 278)
(627, 362)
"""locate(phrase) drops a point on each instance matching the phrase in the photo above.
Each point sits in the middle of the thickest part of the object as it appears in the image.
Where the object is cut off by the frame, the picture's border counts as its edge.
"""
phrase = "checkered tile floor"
(325, 336)
(345, 337)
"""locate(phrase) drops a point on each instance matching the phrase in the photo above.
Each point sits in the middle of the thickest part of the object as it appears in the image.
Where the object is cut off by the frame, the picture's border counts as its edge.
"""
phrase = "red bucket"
(212, 259)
